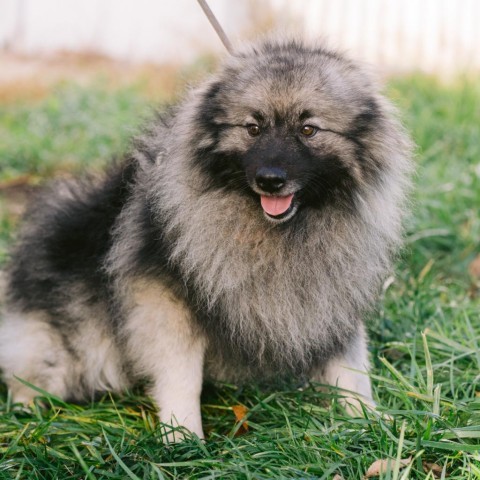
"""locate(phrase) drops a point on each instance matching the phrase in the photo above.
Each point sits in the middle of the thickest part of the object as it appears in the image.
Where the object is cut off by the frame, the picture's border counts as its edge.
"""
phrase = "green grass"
(69, 130)
(428, 383)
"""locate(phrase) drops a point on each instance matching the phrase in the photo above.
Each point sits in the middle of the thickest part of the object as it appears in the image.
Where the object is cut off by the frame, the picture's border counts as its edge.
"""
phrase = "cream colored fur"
(165, 347)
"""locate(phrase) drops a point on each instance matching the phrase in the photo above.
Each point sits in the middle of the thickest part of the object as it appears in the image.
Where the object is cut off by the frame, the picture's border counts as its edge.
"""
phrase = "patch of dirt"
(14, 197)
(31, 78)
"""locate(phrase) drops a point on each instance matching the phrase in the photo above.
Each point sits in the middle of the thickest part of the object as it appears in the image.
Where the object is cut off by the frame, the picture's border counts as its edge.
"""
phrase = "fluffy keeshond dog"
(243, 238)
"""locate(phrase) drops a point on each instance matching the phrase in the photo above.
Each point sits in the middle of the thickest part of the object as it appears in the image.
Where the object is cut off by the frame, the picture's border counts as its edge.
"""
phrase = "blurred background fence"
(440, 36)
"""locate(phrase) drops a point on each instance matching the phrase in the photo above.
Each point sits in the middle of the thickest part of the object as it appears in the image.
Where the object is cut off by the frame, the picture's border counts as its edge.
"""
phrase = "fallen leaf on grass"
(434, 468)
(337, 477)
(474, 268)
(379, 467)
(240, 411)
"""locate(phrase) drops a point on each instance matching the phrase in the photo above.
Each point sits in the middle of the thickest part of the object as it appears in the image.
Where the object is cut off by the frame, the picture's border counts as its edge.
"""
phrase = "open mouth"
(279, 208)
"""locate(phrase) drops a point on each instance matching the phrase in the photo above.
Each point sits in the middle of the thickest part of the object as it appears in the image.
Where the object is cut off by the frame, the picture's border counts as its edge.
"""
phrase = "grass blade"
(428, 365)
(80, 459)
(119, 460)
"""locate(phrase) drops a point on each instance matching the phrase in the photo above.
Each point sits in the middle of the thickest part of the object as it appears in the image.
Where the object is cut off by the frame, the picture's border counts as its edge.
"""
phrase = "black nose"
(271, 179)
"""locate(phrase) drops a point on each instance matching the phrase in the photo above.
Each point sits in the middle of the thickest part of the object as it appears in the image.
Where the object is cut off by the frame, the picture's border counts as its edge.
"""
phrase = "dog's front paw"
(173, 433)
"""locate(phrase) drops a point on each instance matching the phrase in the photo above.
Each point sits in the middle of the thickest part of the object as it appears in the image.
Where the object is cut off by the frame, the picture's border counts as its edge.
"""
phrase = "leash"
(216, 25)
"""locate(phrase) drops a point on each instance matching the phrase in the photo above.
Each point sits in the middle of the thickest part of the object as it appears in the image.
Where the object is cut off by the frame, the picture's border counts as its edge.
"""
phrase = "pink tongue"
(276, 205)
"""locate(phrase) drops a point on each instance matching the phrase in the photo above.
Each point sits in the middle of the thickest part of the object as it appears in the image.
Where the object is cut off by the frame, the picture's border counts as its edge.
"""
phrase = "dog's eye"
(308, 131)
(253, 130)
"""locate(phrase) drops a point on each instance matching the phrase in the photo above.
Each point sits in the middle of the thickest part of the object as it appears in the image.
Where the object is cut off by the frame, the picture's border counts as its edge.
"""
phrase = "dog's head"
(292, 127)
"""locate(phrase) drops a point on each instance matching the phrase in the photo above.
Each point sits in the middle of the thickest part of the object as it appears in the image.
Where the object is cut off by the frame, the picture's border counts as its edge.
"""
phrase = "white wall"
(138, 30)
(431, 35)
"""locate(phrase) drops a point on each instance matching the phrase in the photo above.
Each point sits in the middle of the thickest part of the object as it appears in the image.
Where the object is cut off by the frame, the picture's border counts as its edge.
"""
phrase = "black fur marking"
(332, 186)
(365, 122)
(305, 114)
(67, 246)
(211, 108)
(224, 170)
(259, 117)
(153, 258)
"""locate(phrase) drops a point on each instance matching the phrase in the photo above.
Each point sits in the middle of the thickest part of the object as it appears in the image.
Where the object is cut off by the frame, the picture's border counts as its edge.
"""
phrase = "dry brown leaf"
(337, 477)
(383, 466)
(474, 268)
(240, 411)
(434, 468)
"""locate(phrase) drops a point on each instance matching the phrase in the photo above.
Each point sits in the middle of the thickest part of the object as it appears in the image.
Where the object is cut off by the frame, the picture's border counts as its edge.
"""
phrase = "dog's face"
(289, 127)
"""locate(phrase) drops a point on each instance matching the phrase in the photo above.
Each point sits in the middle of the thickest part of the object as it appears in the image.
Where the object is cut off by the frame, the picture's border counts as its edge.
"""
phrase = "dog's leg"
(32, 350)
(169, 350)
(349, 372)
(178, 385)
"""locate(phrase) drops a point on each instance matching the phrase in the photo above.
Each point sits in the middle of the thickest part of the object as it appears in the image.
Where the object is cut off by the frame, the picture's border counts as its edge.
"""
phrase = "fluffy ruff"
(244, 238)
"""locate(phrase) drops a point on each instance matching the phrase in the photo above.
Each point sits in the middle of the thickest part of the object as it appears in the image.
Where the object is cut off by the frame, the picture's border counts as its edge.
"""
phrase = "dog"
(243, 238)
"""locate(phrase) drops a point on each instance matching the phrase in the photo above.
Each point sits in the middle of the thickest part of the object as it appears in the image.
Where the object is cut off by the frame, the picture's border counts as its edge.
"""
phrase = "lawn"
(425, 333)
